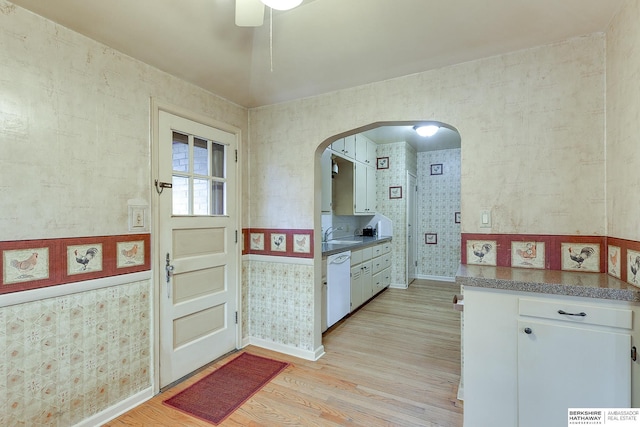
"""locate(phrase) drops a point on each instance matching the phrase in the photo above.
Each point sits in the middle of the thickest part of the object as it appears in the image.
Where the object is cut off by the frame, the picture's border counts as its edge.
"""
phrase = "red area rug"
(217, 395)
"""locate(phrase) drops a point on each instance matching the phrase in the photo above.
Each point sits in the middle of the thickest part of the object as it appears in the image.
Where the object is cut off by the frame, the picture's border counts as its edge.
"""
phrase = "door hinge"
(236, 317)
(236, 236)
(416, 263)
(236, 156)
(634, 353)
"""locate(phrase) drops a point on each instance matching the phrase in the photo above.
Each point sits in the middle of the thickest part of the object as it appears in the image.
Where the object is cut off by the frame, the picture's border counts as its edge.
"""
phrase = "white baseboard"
(118, 409)
(291, 351)
(436, 278)
(398, 286)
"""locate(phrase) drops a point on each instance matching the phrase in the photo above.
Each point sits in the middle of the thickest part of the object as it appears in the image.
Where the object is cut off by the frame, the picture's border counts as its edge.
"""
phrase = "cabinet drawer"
(378, 264)
(386, 247)
(593, 314)
(377, 250)
(386, 261)
(367, 254)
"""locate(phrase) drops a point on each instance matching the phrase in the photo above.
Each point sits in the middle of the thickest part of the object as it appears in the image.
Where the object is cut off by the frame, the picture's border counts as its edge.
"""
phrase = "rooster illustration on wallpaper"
(528, 254)
(83, 260)
(130, 254)
(278, 241)
(481, 251)
(580, 257)
(25, 265)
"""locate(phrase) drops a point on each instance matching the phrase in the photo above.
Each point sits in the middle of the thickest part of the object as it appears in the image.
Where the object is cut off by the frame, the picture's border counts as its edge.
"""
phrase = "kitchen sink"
(344, 242)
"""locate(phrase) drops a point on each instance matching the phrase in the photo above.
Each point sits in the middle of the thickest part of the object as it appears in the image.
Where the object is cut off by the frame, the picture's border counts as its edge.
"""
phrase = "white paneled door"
(198, 252)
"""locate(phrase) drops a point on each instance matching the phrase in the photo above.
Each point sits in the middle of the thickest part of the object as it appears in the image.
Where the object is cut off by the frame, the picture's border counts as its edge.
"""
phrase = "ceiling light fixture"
(426, 130)
(282, 4)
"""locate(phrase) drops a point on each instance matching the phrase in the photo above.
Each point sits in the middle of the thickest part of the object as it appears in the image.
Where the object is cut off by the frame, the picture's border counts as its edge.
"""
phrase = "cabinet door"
(349, 149)
(360, 189)
(371, 190)
(367, 281)
(361, 148)
(325, 165)
(561, 367)
(356, 287)
(371, 153)
(338, 145)
(365, 189)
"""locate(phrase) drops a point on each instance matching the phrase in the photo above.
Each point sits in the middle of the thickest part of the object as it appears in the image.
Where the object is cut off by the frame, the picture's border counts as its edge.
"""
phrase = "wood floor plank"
(395, 362)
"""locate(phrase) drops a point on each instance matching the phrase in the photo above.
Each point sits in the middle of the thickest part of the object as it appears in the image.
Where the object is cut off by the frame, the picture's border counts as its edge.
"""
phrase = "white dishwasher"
(338, 286)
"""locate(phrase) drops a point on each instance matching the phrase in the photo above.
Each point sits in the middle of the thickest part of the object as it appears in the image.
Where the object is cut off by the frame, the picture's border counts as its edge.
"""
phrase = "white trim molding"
(285, 349)
(118, 409)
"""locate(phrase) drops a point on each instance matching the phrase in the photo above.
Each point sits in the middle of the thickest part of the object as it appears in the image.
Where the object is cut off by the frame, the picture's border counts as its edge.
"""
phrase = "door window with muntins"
(199, 176)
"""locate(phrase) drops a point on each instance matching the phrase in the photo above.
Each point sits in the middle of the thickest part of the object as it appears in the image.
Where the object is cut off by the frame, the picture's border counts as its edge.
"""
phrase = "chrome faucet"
(329, 231)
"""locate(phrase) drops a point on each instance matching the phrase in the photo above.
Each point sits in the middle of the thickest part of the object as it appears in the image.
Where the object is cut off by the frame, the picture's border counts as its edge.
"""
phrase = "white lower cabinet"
(528, 358)
(566, 366)
(370, 272)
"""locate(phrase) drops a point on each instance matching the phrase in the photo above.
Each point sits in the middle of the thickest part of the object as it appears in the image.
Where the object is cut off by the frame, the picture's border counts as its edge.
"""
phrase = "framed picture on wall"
(395, 192)
(436, 169)
(431, 238)
(382, 163)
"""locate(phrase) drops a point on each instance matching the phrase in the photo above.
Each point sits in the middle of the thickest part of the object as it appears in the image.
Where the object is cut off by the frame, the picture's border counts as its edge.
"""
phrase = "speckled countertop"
(553, 282)
(358, 242)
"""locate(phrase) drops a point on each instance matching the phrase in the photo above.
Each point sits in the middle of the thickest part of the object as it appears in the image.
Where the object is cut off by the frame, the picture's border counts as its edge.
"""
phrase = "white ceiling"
(323, 45)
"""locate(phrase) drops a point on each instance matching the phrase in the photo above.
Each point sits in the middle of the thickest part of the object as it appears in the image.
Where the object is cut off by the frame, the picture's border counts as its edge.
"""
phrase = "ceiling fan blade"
(249, 13)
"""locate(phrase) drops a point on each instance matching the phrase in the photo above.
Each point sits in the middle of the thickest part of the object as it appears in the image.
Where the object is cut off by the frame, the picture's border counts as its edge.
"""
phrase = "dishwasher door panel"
(338, 286)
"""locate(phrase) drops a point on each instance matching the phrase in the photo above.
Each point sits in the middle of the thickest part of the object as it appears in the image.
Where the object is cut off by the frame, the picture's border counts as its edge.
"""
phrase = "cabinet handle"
(582, 313)
(527, 331)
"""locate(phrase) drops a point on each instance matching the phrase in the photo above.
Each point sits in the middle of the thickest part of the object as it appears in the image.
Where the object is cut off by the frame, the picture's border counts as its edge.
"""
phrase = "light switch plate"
(485, 218)
(137, 218)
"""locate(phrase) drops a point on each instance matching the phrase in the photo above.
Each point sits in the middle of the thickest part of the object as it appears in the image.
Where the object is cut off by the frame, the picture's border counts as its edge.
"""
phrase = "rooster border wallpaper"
(290, 243)
(51, 266)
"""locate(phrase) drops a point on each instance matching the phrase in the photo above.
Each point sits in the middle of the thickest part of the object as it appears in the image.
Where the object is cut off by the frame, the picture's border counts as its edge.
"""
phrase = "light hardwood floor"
(395, 362)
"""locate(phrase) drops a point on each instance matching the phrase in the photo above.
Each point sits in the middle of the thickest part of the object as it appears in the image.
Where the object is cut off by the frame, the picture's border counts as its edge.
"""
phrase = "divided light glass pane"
(200, 196)
(180, 152)
(180, 195)
(217, 198)
(200, 156)
(217, 160)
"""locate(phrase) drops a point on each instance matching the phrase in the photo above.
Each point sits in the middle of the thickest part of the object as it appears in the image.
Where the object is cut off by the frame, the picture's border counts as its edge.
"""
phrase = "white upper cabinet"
(345, 146)
(365, 150)
(365, 190)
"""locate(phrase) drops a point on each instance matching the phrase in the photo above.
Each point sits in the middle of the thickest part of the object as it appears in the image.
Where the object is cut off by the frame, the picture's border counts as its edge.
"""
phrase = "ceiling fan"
(250, 13)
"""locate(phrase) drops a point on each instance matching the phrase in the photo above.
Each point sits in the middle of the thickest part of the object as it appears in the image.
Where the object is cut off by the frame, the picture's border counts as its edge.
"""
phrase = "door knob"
(527, 331)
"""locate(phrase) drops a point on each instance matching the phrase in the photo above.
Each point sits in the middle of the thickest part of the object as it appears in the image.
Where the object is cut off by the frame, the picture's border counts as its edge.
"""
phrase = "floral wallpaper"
(279, 303)
(402, 158)
(67, 358)
(438, 201)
